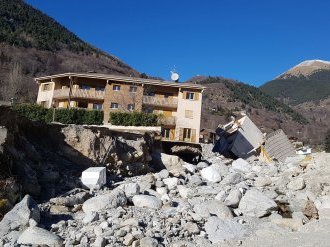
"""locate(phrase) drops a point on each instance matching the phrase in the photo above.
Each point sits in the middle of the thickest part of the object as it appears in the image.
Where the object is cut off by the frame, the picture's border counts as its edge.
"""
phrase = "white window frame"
(131, 108)
(133, 87)
(114, 104)
(116, 87)
(186, 131)
(189, 94)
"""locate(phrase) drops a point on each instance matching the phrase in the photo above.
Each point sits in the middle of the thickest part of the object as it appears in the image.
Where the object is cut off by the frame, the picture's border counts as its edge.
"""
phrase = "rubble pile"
(219, 201)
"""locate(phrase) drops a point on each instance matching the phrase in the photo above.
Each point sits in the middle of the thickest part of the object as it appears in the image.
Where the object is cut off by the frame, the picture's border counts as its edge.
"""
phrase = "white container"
(94, 177)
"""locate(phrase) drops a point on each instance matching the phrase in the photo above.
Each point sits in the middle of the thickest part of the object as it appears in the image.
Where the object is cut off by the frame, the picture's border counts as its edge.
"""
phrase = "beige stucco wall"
(45, 95)
(182, 121)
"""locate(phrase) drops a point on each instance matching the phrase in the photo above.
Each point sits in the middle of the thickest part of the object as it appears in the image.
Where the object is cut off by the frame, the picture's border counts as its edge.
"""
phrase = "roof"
(123, 79)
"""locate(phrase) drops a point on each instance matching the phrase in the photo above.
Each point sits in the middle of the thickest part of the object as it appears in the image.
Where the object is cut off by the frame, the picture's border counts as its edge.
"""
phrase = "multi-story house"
(178, 104)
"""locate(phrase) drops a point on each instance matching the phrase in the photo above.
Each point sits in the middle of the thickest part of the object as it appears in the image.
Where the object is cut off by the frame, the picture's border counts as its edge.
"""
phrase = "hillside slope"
(33, 44)
(225, 97)
(307, 81)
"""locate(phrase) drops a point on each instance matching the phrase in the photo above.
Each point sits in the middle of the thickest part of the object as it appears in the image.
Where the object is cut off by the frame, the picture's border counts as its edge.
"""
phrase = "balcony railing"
(155, 101)
(78, 93)
(169, 121)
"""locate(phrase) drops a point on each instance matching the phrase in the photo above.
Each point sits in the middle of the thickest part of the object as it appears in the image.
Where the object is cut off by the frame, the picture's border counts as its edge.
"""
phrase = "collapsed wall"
(46, 160)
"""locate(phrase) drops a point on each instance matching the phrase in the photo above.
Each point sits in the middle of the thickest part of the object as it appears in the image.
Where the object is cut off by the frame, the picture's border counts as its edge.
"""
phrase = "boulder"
(70, 201)
(113, 199)
(256, 204)
(190, 167)
(38, 236)
(241, 165)
(90, 217)
(131, 189)
(262, 181)
(147, 201)
(18, 218)
(172, 163)
(211, 174)
(148, 242)
(213, 207)
(171, 183)
(233, 198)
(185, 192)
(219, 230)
(296, 184)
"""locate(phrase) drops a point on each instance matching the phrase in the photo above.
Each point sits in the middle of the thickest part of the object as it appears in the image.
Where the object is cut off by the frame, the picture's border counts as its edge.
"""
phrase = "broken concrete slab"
(278, 146)
(94, 177)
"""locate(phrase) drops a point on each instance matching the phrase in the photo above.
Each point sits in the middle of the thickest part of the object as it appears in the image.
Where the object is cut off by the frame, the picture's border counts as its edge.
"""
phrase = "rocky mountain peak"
(306, 68)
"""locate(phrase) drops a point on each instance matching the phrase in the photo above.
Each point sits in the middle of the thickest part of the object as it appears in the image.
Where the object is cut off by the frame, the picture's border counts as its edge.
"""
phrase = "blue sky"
(249, 40)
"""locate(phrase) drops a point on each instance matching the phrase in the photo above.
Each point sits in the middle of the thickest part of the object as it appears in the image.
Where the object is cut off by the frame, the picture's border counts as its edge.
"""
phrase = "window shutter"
(172, 134)
(184, 95)
(196, 96)
(181, 134)
(193, 135)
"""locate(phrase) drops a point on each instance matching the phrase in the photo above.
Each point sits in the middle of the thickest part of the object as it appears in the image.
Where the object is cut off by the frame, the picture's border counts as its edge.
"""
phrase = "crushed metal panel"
(278, 146)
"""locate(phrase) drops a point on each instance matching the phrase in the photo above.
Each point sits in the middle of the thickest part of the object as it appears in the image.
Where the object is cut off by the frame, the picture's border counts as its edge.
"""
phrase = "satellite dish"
(175, 76)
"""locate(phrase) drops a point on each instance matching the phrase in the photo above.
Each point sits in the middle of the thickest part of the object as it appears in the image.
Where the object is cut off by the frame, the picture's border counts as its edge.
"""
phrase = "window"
(186, 133)
(190, 95)
(85, 87)
(97, 106)
(132, 89)
(47, 87)
(116, 87)
(131, 107)
(166, 133)
(189, 114)
(82, 104)
(114, 106)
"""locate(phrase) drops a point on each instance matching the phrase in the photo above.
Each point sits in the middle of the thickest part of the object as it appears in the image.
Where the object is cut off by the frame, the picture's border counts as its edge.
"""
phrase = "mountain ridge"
(33, 44)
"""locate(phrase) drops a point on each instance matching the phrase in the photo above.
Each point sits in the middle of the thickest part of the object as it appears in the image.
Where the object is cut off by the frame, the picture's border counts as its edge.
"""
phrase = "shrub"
(35, 112)
(133, 119)
(327, 142)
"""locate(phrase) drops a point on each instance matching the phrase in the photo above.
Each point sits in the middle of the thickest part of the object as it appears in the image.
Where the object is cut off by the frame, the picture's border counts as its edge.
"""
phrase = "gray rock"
(214, 207)
(163, 174)
(171, 183)
(201, 165)
(232, 178)
(99, 242)
(195, 180)
(113, 199)
(131, 189)
(296, 184)
(219, 230)
(90, 217)
(18, 218)
(147, 201)
(241, 165)
(185, 192)
(172, 163)
(192, 228)
(148, 242)
(211, 174)
(256, 204)
(190, 167)
(233, 198)
(39, 236)
(262, 181)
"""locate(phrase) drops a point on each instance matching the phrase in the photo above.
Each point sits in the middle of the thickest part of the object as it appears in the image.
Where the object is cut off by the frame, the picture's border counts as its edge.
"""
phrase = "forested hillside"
(33, 44)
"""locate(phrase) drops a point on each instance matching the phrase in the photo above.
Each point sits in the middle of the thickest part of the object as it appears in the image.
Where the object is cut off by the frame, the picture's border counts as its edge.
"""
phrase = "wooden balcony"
(167, 121)
(156, 101)
(78, 93)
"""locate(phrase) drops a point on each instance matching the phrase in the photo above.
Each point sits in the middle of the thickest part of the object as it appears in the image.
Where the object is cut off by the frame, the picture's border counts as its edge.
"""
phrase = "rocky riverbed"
(218, 202)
